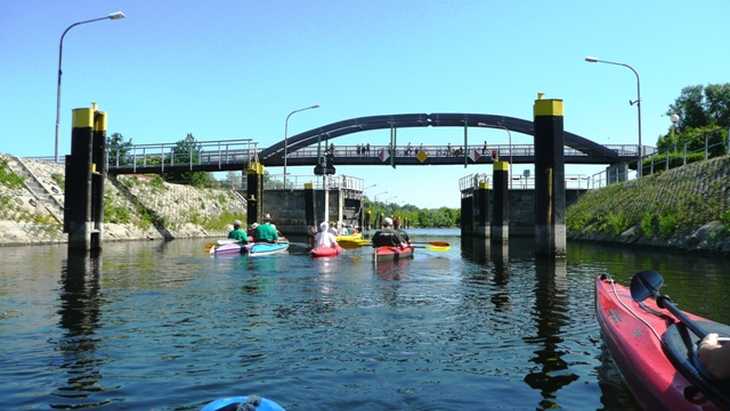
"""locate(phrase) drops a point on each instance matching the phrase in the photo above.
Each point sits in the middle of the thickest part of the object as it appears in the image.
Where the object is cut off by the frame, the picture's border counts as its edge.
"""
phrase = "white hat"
(388, 221)
(237, 222)
(254, 225)
(324, 226)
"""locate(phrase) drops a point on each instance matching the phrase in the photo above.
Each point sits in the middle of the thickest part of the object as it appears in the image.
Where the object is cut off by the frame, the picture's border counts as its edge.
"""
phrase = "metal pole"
(684, 161)
(112, 16)
(706, 147)
(286, 132)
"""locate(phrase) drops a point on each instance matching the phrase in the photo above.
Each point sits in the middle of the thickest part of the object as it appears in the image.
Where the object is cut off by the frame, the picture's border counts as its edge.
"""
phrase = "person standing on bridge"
(266, 232)
(238, 233)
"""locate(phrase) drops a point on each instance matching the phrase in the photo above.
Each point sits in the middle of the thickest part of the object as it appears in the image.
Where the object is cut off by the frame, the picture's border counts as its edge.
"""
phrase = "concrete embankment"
(135, 207)
(686, 208)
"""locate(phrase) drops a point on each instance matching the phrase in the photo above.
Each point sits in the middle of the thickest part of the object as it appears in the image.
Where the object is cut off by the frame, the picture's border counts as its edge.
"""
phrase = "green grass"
(215, 223)
(157, 183)
(59, 179)
(7, 177)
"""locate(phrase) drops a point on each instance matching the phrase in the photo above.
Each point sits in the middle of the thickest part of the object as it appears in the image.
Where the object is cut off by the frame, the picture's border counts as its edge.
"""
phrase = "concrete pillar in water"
(77, 213)
(309, 204)
(500, 214)
(254, 192)
(549, 178)
(481, 211)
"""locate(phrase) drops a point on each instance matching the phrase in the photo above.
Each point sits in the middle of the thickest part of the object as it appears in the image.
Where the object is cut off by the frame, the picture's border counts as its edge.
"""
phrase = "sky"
(234, 69)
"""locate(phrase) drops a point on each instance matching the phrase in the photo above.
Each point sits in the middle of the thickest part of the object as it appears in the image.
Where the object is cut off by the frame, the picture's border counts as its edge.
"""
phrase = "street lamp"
(286, 131)
(111, 16)
(375, 197)
(590, 59)
(509, 135)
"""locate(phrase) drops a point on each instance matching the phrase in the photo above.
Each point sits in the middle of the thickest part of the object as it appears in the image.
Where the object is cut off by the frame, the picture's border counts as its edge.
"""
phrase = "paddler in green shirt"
(237, 233)
(266, 232)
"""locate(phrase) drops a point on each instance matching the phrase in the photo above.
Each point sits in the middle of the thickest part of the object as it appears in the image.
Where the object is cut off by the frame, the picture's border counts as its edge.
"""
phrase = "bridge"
(303, 150)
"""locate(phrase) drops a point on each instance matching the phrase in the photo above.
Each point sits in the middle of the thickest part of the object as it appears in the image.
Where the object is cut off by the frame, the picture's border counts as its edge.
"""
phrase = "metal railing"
(472, 181)
(297, 182)
(209, 153)
(659, 161)
(448, 151)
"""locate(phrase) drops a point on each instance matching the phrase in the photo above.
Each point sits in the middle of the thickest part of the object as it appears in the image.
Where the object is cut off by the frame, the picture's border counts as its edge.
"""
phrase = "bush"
(59, 179)
(7, 177)
(157, 183)
(668, 224)
(648, 225)
(617, 223)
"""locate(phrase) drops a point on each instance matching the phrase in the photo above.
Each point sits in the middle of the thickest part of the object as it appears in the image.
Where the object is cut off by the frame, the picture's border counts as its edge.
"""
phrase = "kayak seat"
(681, 347)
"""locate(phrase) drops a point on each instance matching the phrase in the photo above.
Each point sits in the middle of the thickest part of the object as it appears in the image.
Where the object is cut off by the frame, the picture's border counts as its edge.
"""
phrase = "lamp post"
(111, 16)
(286, 131)
(590, 59)
(375, 197)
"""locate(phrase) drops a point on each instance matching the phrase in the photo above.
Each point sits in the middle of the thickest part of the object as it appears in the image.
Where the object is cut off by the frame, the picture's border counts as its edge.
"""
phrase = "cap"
(388, 221)
(237, 222)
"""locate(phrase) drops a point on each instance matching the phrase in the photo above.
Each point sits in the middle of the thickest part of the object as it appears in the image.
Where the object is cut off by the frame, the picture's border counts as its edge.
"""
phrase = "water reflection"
(79, 316)
(551, 304)
(500, 257)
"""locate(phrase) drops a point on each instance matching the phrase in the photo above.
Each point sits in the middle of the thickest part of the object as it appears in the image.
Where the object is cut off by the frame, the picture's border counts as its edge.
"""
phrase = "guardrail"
(210, 153)
(472, 181)
(297, 182)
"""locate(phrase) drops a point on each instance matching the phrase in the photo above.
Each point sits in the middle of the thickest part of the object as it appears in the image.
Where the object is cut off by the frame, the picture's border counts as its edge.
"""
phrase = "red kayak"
(325, 251)
(654, 351)
(388, 253)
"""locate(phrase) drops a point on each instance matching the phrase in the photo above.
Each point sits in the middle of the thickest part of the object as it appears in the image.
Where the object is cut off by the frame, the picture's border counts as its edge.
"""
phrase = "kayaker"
(237, 233)
(386, 236)
(324, 238)
(402, 234)
(715, 356)
(265, 232)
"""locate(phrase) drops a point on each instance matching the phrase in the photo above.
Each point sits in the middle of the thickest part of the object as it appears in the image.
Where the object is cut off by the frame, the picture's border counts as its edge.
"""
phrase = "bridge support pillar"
(500, 215)
(83, 214)
(616, 173)
(467, 214)
(549, 178)
(482, 227)
(254, 192)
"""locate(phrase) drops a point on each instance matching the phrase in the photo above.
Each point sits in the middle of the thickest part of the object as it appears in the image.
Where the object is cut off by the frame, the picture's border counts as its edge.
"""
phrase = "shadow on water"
(79, 317)
(551, 306)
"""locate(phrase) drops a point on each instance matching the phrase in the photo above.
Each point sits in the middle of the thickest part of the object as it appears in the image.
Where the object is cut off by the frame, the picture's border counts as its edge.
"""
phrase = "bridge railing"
(165, 155)
(440, 151)
(572, 182)
(297, 182)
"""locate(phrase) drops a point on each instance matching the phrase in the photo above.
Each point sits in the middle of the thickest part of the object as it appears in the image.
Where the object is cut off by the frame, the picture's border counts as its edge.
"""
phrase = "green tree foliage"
(185, 149)
(414, 216)
(704, 112)
(118, 148)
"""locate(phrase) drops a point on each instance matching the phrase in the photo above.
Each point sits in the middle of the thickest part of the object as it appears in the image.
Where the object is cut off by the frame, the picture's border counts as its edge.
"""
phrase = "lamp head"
(116, 15)
(591, 59)
(675, 118)
(315, 106)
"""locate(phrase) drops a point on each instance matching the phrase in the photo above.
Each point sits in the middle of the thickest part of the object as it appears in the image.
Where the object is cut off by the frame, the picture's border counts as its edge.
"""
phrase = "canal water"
(151, 325)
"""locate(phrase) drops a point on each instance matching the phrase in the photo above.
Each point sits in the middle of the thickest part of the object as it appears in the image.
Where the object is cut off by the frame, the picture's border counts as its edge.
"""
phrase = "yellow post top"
(548, 107)
(100, 121)
(255, 168)
(501, 165)
(308, 186)
(83, 117)
(484, 185)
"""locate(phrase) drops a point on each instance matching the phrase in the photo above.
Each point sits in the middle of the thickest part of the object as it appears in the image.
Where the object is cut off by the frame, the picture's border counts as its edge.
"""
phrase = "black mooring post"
(309, 204)
(549, 178)
(77, 198)
(500, 214)
(254, 192)
(482, 210)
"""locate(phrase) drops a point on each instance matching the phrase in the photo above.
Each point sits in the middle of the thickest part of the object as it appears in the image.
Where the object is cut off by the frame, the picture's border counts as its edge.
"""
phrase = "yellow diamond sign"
(422, 156)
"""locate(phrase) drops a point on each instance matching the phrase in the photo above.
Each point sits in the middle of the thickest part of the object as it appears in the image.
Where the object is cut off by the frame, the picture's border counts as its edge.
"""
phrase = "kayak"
(325, 251)
(264, 249)
(655, 352)
(250, 402)
(349, 237)
(226, 248)
(387, 253)
(354, 243)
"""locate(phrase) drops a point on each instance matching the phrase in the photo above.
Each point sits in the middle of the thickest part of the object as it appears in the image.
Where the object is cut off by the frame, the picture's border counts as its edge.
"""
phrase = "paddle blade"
(646, 284)
(440, 248)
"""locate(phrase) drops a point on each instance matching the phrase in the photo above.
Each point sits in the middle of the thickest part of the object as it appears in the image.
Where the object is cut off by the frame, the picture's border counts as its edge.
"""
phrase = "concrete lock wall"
(522, 210)
(288, 211)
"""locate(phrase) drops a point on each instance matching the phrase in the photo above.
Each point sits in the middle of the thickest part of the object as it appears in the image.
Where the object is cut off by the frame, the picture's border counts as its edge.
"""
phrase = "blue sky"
(234, 69)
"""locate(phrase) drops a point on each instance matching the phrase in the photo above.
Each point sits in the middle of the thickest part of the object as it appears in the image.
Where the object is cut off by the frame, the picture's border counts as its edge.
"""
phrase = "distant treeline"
(414, 216)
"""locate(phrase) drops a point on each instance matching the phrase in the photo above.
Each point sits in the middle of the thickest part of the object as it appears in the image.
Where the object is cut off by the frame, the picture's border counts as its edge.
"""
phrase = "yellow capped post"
(548, 107)
(83, 117)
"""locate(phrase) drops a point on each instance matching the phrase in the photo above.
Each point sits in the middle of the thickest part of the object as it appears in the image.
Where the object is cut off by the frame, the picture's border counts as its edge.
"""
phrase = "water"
(153, 325)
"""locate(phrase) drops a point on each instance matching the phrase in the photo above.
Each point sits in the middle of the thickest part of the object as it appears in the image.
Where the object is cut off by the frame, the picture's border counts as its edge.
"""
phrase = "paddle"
(647, 284)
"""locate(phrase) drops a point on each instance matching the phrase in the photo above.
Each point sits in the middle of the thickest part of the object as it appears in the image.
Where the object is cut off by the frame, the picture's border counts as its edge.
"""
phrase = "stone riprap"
(135, 207)
(686, 208)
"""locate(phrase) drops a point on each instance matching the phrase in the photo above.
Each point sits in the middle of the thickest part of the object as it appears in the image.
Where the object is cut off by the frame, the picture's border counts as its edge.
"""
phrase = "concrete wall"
(522, 210)
(287, 208)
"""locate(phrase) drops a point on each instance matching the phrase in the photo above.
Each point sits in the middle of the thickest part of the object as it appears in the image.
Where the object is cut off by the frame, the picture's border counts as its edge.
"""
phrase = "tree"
(185, 151)
(118, 148)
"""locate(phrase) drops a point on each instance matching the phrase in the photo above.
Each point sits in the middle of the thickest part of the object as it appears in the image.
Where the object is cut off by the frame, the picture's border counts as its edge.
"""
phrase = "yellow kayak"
(350, 237)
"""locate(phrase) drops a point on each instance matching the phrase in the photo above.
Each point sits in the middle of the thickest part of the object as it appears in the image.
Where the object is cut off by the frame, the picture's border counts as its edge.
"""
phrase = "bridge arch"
(358, 124)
